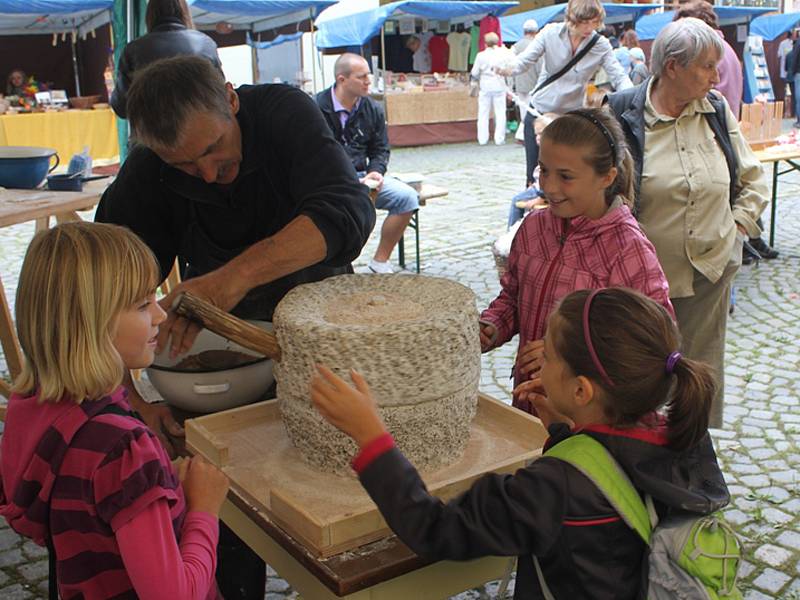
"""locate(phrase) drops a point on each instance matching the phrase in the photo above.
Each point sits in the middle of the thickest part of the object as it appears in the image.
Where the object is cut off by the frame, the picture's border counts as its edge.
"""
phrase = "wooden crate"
(760, 123)
(331, 514)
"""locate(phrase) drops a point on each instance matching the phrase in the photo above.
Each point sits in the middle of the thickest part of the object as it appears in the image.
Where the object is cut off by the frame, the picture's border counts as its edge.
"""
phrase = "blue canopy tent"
(771, 27)
(357, 28)
(615, 13)
(255, 15)
(647, 27)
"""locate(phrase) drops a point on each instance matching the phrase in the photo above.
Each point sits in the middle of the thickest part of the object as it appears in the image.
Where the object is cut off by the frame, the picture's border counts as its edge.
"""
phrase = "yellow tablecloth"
(67, 131)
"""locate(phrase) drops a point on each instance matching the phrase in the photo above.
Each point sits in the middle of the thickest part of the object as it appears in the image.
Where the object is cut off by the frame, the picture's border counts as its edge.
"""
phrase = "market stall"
(264, 25)
(426, 92)
(47, 122)
(647, 27)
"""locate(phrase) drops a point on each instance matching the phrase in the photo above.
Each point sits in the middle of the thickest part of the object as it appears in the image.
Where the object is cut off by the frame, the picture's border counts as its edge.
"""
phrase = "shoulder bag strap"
(572, 62)
(719, 125)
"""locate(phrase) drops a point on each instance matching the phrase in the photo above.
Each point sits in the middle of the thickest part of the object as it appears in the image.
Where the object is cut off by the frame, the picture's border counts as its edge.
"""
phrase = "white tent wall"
(281, 61)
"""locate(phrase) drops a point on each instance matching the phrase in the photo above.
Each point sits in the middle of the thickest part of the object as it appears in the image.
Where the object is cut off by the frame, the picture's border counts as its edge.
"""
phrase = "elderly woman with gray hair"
(698, 187)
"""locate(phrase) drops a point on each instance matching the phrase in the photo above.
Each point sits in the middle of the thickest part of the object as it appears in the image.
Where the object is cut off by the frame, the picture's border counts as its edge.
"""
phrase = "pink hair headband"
(587, 336)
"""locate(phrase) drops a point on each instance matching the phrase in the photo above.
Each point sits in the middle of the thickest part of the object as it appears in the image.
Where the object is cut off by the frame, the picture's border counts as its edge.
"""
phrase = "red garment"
(489, 23)
(83, 475)
(439, 50)
(549, 259)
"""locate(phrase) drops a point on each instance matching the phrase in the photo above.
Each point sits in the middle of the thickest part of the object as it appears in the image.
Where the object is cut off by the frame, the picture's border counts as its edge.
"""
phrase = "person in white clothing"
(493, 89)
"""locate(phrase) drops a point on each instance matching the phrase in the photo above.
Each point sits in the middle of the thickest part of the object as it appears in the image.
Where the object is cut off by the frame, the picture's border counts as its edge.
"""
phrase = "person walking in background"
(571, 53)
(493, 89)
(525, 82)
(629, 39)
(784, 49)
(170, 32)
(792, 65)
(639, 70)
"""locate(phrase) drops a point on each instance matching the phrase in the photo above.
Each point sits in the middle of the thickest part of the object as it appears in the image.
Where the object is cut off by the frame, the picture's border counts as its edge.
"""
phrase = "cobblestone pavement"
(759, 445)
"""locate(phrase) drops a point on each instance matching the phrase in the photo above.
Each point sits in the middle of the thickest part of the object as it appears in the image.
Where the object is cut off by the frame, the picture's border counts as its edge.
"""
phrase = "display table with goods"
(786, 150)
(429, 109)
(67, 131)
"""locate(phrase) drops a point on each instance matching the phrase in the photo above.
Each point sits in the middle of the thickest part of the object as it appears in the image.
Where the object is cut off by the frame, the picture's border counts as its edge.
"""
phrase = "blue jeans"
(796, 98)
(396, 197)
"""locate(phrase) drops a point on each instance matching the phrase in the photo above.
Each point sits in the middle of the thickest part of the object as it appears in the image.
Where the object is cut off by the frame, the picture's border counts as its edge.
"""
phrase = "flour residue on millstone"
(372, 308)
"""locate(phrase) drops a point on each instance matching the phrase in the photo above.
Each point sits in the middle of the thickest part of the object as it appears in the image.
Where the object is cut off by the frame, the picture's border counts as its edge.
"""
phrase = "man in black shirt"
(246, 188)
(358, 123)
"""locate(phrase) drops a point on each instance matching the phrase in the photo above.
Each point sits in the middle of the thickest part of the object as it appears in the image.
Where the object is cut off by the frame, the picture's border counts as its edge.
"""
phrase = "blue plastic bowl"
(25, 167)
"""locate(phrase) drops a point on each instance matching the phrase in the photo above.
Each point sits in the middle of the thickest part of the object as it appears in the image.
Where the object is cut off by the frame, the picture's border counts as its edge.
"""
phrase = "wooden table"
(775, 155)
(21, 206)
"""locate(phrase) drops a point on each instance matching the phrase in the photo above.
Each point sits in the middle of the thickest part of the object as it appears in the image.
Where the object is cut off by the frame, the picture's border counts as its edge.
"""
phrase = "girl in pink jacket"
(587, 238)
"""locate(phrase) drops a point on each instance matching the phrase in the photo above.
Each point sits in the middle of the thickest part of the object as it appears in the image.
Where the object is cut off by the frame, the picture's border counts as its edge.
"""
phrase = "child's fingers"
(359, 381)
(333, 379)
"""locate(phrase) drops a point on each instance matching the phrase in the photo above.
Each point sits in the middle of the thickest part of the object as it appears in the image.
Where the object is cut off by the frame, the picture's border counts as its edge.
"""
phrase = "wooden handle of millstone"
(226, 325)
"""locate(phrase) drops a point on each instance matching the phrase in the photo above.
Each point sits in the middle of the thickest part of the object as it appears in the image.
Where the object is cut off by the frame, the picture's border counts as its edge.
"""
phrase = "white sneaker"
(380, 267)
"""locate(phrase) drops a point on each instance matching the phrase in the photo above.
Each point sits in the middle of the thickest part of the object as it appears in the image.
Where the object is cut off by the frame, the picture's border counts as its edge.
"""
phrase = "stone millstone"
(413, 338)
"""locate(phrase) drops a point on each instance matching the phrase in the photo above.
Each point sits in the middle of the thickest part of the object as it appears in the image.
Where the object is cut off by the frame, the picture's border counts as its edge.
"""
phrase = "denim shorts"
(396, 197)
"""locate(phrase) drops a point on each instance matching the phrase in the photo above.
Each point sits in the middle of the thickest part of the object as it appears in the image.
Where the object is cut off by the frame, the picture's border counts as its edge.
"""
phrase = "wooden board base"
(330, 514)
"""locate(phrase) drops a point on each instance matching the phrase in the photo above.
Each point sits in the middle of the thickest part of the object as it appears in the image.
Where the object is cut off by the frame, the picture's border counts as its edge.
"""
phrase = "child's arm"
(157, 567)
(499, 515)
(502, 312)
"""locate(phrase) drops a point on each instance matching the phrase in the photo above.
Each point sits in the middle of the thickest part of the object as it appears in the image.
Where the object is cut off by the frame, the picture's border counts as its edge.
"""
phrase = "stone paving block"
(11, 557)
(32, 550)
(3, 578)
(8, 538)
(745, 569)
(774, 556)
(34, 571)
(755, 481)
(737, 517)
(756, 595)
(789, 539)
(275, 584)
(771, 580)
(15, 592)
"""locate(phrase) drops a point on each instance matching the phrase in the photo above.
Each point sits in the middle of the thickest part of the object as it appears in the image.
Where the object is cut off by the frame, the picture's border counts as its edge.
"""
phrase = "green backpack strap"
(592, 459)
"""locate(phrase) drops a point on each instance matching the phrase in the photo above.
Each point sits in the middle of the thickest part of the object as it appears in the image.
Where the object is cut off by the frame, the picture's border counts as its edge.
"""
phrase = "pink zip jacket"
(551, 257)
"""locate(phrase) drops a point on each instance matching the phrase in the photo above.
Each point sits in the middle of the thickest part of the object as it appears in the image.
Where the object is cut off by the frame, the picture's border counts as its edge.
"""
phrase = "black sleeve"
(322, 181)
(500, 515)
(134, 202)
(119, 96)
(378, 148)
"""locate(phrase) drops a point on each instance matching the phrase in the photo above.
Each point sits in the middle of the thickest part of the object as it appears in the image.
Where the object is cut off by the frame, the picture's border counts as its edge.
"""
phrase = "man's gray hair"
(344, 64)
(684, 40)
(165, 93)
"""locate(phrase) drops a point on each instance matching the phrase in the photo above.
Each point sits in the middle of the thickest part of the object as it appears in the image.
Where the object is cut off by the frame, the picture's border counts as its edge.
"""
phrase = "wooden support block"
(42, 223)
(8, 336)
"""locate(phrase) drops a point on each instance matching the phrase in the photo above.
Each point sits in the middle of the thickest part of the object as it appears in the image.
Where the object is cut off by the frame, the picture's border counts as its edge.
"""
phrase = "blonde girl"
(81, 473)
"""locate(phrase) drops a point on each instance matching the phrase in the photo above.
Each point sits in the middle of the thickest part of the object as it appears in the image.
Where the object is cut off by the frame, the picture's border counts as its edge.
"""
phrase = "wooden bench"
(427, 191)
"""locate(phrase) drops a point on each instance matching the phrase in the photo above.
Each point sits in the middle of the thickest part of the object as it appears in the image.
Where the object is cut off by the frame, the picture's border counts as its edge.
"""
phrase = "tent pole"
(313, 54)
(75, 63)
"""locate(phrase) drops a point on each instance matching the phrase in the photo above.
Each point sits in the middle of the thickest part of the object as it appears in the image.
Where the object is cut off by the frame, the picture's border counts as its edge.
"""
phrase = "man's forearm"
(298, 245)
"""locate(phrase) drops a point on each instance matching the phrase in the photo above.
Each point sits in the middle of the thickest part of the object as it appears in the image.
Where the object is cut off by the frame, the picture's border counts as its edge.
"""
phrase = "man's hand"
(374, 176)
(530, 359)
(350, 409)
(219, 287)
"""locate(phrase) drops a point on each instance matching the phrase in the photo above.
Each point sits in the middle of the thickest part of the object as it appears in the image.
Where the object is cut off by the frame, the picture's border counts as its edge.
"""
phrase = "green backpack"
(691, 557)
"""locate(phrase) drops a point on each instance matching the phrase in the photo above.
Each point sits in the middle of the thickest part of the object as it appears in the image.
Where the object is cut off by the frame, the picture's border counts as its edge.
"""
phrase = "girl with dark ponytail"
(612, 370)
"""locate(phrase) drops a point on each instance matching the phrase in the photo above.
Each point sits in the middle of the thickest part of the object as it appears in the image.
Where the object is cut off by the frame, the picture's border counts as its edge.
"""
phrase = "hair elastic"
(587, 336)
(672, 360)
(603, 129)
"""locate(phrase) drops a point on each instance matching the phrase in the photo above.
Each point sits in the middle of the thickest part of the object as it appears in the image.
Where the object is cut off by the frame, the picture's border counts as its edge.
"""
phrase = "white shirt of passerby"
(483, 69)
(565, 94)
(422, 57)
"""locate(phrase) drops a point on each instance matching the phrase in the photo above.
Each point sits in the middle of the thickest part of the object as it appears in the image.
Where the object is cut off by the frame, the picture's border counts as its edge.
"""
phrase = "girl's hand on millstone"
(350, 409)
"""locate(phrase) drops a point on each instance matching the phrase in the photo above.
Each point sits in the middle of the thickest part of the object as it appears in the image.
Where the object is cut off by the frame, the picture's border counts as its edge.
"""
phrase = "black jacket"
(167, 39)
(628, 107)
(364, 136)
(291, 166)
(551, 510)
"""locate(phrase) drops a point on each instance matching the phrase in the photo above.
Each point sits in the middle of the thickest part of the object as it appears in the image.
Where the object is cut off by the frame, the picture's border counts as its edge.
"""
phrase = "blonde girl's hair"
(634, 337)
(579, 11)
(600, 135)
(75, 280)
